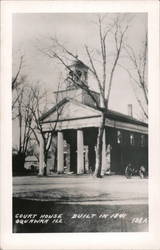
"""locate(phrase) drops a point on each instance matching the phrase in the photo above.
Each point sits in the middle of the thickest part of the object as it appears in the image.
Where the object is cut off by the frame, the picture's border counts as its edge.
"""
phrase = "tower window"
(85, 76)
(78, 75)
(71, 74)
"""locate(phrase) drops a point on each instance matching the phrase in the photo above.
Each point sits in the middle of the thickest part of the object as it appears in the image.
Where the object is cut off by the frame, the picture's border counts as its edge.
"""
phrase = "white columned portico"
(41, 156)
(60, 153)
(80, 148)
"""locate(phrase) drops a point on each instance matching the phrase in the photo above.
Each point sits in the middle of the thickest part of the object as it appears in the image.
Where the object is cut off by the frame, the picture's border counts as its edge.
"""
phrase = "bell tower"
(76, 84)
(77, 75)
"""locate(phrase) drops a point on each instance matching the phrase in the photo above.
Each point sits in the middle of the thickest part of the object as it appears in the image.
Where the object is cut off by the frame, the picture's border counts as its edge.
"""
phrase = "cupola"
(77, 75)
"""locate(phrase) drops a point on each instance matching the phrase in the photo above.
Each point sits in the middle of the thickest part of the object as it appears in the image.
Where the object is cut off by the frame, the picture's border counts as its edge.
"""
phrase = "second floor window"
(119, 137)
(142, 140)
(132, 141)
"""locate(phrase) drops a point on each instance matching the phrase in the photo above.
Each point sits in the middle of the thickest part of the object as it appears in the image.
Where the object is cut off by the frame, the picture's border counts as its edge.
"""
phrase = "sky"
(31, 32)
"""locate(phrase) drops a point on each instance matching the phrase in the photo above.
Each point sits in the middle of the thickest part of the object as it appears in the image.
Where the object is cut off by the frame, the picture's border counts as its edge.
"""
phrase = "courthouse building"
(76, 119)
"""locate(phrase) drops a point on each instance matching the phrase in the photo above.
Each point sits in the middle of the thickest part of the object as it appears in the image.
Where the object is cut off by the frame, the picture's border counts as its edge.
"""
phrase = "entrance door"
(71, 138)
(73, 159)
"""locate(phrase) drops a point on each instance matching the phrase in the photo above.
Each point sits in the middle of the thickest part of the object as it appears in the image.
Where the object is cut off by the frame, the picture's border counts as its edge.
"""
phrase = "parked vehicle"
(142, 172)
(131, 171)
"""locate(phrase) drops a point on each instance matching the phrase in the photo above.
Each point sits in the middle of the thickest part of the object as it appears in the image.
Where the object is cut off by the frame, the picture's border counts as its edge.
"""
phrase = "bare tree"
(58, 51)
(138, 74)
(29, 102)
(16, 91)
(37, 108)
(23, 120)
(15, 81)
(38, 100)
(27, 111)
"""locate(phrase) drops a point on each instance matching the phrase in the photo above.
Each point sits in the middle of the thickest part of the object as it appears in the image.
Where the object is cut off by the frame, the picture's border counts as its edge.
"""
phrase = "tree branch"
(14, 81)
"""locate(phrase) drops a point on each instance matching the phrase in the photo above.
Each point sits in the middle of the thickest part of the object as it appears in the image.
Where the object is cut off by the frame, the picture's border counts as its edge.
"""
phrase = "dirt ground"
(110, 189)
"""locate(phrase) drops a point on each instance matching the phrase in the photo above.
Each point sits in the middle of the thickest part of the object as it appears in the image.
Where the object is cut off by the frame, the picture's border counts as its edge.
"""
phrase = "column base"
(40, 175)
(60, 172)
(80, 173)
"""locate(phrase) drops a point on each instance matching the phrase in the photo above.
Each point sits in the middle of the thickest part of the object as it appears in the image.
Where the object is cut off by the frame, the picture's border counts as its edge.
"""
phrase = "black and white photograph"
(80, 122)
(80, 101)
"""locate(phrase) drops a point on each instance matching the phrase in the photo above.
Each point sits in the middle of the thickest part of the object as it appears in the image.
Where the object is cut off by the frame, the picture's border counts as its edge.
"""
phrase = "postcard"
(80, 124)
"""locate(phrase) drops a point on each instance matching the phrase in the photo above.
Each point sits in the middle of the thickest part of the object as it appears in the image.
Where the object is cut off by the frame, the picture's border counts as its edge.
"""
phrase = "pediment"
(70, 109)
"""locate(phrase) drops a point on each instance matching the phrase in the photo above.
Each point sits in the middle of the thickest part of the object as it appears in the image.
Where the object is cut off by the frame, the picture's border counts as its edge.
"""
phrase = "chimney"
(130, 111)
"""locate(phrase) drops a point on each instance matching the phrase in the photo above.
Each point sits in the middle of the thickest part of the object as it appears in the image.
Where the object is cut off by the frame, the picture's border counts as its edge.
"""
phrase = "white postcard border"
(80, 240)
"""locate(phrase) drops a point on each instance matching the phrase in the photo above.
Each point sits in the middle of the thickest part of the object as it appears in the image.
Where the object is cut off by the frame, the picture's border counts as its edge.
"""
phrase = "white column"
(41, 156)
(60, 153)
(86, 167)
(104, 159)
(108, 157)
(80, 158)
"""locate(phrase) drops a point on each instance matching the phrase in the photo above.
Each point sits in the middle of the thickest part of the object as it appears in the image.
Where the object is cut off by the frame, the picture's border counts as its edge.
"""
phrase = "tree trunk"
(45, 160)
(98, 167)
(41, 155)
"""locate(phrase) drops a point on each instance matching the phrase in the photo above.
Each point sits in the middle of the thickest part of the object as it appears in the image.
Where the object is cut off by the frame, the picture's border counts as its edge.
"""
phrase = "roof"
(79, 63)
(124, 118)
(111, 114)
(56, 107)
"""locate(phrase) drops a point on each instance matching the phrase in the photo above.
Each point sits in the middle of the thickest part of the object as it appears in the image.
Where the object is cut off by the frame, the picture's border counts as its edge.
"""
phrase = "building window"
(71, 73)
(132, 139)
(142, 140)
(119, 137)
